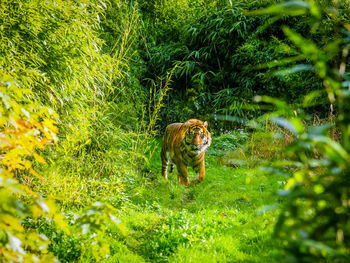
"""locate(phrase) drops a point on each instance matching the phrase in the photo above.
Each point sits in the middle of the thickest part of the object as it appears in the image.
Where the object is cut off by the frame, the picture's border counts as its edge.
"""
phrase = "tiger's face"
(197, 137)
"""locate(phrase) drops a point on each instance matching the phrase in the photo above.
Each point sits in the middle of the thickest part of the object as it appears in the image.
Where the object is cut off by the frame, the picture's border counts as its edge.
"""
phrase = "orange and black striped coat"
(184, 145)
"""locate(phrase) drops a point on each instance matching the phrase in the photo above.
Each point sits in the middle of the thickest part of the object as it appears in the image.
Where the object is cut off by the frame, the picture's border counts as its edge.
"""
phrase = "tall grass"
(54, 52)
(145, 142)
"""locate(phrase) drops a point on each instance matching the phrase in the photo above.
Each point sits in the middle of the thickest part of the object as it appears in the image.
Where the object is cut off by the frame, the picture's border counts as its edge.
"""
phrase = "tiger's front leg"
(182, 174)
(165, 163)
(200, 169)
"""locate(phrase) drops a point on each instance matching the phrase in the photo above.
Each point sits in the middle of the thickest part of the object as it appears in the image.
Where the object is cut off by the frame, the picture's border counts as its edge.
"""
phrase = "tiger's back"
(184, 145)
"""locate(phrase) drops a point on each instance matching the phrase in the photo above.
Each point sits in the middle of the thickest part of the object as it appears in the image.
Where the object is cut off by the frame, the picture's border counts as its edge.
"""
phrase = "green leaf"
(293, 8)
(313, 98)
(333, 146)
(282, 122)
(307, 46)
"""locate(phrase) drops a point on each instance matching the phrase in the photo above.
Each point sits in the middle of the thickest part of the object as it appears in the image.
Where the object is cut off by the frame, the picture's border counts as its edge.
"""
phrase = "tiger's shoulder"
(175, 131)
(173, 126)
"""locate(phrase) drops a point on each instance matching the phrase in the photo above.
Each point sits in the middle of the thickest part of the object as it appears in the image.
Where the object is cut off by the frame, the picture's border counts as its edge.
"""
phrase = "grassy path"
(215, 221)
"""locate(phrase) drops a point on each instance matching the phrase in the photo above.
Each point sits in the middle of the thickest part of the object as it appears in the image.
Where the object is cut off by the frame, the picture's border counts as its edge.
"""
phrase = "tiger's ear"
(205, 124)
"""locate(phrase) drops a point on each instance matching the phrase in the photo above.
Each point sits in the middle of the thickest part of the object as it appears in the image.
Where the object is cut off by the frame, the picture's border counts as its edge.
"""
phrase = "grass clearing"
(215, 221)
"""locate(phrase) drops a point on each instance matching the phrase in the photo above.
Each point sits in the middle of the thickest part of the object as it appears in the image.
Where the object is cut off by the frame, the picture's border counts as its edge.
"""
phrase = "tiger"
(184, 144)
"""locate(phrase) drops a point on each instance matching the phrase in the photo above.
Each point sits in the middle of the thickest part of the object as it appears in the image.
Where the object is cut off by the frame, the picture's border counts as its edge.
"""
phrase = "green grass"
(215, 221)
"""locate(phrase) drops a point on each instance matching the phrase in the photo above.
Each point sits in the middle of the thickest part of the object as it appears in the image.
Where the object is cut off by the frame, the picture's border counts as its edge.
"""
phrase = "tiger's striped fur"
(184, 145)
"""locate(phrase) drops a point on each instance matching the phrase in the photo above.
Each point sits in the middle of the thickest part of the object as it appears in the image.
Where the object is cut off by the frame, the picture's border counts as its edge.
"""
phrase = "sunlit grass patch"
(220, 220)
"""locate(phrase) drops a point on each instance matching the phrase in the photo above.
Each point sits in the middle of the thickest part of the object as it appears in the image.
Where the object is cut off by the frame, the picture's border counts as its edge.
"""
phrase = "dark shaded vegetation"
(226, 57)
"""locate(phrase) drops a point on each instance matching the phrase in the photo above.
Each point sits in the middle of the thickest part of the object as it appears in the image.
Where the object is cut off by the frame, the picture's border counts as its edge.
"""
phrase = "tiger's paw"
(183, 181)
(197, 180)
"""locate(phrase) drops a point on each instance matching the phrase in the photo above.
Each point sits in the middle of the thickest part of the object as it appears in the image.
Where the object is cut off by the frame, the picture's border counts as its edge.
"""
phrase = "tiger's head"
(197, 137)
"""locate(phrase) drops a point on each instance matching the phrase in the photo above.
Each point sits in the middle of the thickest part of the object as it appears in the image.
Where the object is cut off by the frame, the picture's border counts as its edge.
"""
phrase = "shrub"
(227, 142)
(314, 223)
(180, 230)
(216, 46)
(25, 127)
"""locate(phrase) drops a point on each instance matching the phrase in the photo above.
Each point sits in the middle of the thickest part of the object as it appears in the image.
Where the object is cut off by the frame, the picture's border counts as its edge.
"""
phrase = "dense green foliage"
(54, 54)
(86, 86)
(226, 57)
(314, 222)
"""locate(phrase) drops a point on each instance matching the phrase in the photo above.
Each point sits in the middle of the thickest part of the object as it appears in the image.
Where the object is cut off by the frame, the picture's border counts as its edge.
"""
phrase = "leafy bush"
(87, 237)
(25, 127)
(227, 142)
(314, 222)
(216, 46)
(52, 55)
(180, 230)
(65, 247)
